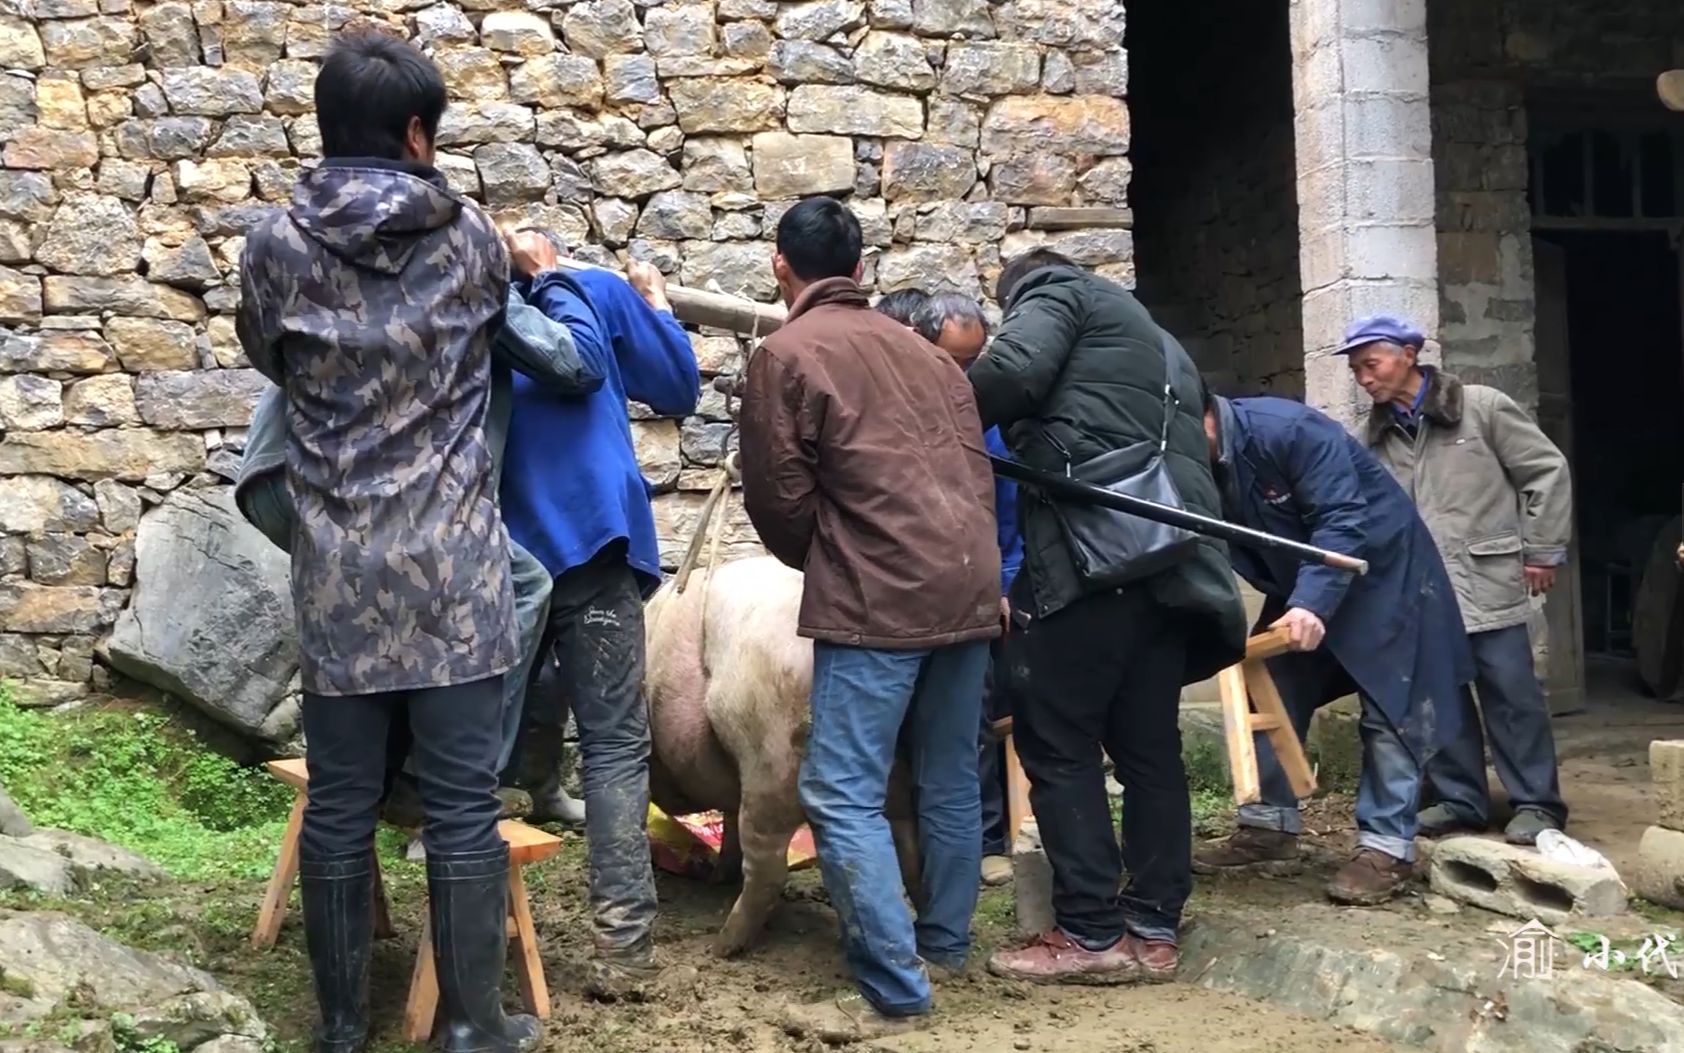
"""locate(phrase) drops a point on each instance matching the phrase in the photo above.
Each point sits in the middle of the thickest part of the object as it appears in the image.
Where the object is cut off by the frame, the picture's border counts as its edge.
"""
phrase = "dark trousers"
(454, 736)
(991, 756)
(1517, 726)
(596, 630)
(1105, 673)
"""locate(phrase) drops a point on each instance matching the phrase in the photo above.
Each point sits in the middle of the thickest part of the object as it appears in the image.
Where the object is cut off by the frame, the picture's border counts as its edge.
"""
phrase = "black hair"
(1021, 266)
(370, 87)
(904, 306)
(820, 238)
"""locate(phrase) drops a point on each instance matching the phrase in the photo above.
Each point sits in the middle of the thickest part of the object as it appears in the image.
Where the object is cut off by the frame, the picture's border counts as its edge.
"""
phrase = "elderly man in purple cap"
(1495, 493)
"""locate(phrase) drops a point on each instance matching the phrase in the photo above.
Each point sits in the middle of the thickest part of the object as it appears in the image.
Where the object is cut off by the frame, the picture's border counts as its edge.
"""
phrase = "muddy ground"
(707, 1005)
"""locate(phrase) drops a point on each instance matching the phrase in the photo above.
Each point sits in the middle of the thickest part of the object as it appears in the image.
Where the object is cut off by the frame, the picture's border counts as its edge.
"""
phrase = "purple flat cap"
(1390, 328)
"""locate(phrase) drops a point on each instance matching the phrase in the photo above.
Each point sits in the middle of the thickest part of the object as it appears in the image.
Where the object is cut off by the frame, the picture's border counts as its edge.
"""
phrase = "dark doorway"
(1214, 188)
(1625, 340)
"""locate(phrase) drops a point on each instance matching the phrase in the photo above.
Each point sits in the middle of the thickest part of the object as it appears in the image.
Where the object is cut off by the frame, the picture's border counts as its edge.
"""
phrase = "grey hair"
(944, 307)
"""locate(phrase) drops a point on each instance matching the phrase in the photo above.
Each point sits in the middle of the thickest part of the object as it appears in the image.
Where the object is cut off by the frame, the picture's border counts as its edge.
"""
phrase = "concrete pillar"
(1362, 124)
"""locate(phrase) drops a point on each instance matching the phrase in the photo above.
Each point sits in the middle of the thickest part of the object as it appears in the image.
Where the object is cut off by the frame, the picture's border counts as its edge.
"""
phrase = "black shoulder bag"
(1112, 548)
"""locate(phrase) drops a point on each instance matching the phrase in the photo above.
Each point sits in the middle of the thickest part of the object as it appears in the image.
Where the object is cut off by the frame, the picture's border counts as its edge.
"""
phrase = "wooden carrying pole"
(714, 310)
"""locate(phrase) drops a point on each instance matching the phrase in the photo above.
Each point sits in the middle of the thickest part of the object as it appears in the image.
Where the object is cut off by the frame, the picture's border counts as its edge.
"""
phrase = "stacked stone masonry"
(139, 140)
(1487, 59)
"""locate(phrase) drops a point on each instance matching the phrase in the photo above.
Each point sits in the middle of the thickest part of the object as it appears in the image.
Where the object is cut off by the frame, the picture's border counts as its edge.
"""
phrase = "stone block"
(991, 68)
(1666, 776)
(716, 165)
(602, 27)
(1334, 745)
(849, 110)
(1659, 873)
(727, 104)
(1060, 124)
(804, 62)
(101, 402)
(895, 61)
(130, 295)
(734, 268)
(1517, 881)
(26, 607)
(522, 33)
(1033, 179)
(51, 148)
(33, 504)
(817, 19)
(557, 80)
(943, 18)
(30, 403)
(677, 215)
(198, 399)
(1032, 882)
(1391, 64)
(129, 454)
(632, 174)
(795, 166)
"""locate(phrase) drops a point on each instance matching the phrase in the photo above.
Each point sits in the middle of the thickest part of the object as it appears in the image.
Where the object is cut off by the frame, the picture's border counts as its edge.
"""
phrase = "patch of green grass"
(134, 778)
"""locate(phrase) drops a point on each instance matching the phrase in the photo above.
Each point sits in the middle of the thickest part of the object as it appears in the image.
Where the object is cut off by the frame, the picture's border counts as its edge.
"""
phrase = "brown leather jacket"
(863, 466)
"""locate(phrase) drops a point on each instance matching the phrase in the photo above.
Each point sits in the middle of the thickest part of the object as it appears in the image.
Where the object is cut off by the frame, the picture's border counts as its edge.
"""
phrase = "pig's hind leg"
(766, 822)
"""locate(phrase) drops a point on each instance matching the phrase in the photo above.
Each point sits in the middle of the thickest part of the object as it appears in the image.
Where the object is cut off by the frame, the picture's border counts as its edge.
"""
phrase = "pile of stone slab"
(1659, 876)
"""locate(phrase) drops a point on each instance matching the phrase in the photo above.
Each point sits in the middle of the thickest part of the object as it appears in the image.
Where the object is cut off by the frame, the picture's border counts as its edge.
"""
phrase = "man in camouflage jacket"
(372, 299)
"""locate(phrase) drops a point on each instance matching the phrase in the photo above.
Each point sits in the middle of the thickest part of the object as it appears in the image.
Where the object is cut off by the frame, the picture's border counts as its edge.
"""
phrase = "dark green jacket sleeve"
(1014, 377)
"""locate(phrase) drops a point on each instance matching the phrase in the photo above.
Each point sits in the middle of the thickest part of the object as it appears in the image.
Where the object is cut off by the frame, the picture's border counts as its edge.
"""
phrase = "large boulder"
(56, 966)
(13, 823)
(211, 620)
(56, 862)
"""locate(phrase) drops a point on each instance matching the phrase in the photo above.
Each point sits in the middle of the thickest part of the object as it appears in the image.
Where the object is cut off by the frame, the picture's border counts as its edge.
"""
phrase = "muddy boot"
(996, 871)
(1247, 846)
(468, 900)
(1527, 824)
(1440, 820)
(623, 975)
(338, 898)
(1371, 877)
(1157, 959)
(554, 804)
(517, 804)
(847, 1019)
(1055, 958)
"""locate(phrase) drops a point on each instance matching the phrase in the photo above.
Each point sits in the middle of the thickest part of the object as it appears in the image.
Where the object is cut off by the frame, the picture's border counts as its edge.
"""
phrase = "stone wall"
(138, 141)
(1211, 106)
(1486, 57)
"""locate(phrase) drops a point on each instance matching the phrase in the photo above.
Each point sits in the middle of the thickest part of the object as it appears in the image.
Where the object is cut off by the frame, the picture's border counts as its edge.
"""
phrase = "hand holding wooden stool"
(1251, 703)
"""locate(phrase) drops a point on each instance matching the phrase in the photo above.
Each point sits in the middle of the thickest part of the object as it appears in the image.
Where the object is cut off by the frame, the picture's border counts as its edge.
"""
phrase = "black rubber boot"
(468, 896)
(338, 896)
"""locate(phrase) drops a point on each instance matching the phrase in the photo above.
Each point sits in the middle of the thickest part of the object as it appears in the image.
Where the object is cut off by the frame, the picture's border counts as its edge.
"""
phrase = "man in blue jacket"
(573, 496)
(954, 323)
(1394, 635)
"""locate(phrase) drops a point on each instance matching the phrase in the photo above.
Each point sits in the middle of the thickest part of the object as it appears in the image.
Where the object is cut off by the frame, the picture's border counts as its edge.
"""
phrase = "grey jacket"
(1494, 491)
(528, 342)
(372, 299)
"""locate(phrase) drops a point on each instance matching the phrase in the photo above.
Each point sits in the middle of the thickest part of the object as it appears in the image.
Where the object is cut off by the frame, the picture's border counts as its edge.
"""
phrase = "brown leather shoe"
(1247, 846)
(1157, 959)
(1370, 878)
(1055, 958)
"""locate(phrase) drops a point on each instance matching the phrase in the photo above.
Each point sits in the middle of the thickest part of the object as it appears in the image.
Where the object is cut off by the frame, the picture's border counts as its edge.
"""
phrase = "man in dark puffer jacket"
(1077, 370)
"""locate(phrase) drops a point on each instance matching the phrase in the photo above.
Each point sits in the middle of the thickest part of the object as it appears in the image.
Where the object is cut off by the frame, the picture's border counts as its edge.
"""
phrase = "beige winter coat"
(1493, 490)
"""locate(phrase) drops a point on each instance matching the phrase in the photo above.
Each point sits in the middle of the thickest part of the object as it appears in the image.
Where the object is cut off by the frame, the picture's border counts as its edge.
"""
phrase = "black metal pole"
(1075, 490)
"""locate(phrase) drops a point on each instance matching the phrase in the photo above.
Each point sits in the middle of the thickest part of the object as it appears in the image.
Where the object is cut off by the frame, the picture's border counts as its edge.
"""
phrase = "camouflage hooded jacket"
(372, 300)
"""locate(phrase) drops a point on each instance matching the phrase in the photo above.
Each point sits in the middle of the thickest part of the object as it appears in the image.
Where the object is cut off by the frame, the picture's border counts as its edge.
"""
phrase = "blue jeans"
(1517, 725)
(864, 702)
(1389, 790)
(532, 584)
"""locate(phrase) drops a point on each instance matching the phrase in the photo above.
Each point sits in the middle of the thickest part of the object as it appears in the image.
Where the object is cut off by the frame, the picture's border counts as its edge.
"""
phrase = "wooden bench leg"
(1273, 719)
(1017, 793)
(423, 1002)
(274, 909)
(1236, 727)
(529, 967)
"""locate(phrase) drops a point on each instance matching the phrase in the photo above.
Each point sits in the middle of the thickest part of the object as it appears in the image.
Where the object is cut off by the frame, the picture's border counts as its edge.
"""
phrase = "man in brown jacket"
(863, 466)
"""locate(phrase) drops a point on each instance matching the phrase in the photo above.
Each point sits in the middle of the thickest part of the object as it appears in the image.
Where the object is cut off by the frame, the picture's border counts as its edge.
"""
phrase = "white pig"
(727, 684)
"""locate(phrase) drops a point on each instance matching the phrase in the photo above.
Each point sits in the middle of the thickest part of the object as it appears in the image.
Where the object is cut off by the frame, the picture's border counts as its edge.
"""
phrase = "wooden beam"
(1670, 87)
(1080, 218)
(714, 310)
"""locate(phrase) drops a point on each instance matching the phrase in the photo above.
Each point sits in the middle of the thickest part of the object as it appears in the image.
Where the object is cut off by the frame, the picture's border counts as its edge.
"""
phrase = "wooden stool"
(1251, 703)
(527, 844)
